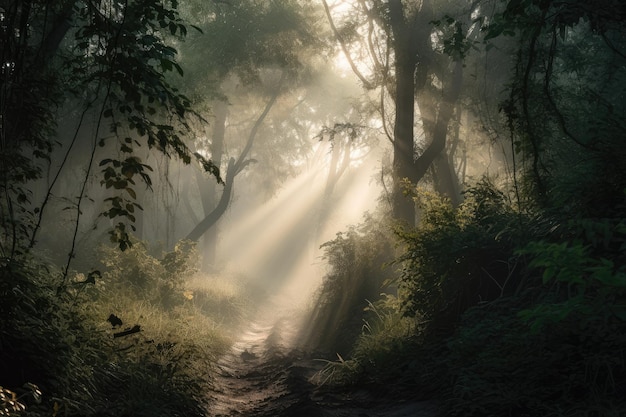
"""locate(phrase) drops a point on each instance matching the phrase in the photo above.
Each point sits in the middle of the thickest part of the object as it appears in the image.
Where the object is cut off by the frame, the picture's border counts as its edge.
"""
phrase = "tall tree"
(408, 61)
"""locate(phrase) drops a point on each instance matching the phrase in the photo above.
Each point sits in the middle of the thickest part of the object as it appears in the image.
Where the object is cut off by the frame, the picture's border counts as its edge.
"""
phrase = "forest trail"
(264, 376)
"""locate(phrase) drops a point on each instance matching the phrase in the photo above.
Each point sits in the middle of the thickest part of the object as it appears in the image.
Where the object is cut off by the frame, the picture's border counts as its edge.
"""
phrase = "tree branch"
(344, 47)
(234, 168)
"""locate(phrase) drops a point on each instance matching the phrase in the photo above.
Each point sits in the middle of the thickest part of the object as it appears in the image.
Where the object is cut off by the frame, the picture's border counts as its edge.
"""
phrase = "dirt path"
(263, 376)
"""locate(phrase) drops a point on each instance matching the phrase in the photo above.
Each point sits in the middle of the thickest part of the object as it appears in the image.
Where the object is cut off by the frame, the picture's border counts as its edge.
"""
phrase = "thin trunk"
(234, 168)
(209, 192)
(221, 207)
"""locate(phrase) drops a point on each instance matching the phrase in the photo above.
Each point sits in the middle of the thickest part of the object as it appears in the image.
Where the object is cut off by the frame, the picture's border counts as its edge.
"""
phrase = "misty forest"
(313, 208)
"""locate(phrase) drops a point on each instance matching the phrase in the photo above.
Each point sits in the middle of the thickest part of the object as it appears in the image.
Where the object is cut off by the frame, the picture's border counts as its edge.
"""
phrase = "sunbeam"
(243, 233)
(277, 246)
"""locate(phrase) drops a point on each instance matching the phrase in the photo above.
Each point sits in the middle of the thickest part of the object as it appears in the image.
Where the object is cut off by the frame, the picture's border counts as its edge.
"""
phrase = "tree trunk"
(208, 189)
(212, 218)
(234, 168)
(406, 62)
(448, 185)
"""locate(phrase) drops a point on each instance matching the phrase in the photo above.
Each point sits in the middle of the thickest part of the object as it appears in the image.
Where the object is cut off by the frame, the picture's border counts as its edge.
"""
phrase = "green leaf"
(548, 274)
(178, 69)
(166, 64)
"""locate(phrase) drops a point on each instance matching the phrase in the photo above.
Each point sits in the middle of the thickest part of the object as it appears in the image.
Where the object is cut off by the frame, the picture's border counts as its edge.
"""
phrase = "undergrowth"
(384, 334)
(499, 314)
(356, 273)
(139, 337)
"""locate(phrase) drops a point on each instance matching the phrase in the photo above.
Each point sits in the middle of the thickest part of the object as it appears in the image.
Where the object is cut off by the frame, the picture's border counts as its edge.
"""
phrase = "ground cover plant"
(495, 316)
(127, 339)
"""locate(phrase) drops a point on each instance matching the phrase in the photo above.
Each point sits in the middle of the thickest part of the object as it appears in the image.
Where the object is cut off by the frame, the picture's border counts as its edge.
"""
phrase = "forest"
(313, 208)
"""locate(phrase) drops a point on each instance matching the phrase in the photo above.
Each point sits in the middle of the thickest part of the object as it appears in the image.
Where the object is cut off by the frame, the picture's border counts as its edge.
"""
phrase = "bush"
(136, 273)
(556, 348)
(156, 361)
(459, 257)
(500, 367)
(456, 259)
(356, 259)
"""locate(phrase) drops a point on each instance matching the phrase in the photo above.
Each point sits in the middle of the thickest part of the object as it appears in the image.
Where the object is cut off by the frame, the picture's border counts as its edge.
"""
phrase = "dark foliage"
(62, 357)
(356, 259)
(459, 258)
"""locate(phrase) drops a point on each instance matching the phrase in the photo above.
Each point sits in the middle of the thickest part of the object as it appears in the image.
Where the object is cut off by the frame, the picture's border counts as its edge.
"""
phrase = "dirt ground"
(262, 376)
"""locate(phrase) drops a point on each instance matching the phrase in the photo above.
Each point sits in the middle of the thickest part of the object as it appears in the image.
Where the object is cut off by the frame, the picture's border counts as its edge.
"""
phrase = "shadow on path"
(263, 376)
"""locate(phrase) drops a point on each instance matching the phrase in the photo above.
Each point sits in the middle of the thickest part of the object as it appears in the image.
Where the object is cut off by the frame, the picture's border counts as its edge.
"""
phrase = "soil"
(263, 375)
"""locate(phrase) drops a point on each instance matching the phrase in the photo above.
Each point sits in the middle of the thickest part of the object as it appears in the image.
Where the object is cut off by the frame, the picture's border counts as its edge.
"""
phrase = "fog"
(316, 161)
(278, 208)
(277, 244)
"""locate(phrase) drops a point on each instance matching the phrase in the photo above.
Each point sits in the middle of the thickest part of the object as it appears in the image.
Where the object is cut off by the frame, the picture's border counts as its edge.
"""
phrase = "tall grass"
(384, 335)
(159, 361)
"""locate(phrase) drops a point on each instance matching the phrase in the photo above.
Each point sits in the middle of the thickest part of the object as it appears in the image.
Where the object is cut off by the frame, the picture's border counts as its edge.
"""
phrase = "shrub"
(557, 348)
(459, 257)
(55, 335)
(355, 258)
(138, 274)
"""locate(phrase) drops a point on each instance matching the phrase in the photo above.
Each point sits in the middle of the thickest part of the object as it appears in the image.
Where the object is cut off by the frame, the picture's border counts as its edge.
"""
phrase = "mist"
(339, 207)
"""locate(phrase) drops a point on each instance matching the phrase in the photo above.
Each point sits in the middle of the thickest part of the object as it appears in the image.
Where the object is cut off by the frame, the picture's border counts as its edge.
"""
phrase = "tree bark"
(406, 62)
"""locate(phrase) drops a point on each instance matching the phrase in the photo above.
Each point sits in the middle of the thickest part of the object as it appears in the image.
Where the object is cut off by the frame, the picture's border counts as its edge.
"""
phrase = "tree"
(242, 42)
(420, 66)
(114, 57)
(564, 109)
(235, 166)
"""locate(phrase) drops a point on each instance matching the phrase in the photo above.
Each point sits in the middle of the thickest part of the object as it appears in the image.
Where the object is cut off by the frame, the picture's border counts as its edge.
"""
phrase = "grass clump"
(153, 357)
(381, 345)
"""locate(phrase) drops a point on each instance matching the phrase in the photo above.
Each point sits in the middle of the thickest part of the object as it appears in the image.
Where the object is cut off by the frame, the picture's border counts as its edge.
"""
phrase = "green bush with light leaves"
(459, 257)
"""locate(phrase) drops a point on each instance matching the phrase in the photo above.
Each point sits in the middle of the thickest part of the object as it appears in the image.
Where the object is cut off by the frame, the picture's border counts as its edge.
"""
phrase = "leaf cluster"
(160, 281)
(123, 54)
(586, 275)
(459, 257)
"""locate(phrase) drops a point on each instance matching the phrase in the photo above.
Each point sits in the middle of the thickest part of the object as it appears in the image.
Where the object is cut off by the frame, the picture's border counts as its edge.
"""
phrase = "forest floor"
(263, 376)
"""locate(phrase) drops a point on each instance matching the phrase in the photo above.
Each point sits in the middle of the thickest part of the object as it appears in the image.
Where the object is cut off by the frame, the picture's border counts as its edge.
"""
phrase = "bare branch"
(344, 47)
